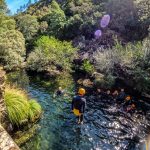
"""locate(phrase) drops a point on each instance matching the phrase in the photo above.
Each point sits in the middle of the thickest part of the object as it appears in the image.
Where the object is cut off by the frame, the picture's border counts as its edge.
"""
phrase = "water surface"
(106, 126)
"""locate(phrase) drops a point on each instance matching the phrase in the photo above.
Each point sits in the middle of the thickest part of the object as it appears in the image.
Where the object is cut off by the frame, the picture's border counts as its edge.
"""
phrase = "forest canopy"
(56, 36)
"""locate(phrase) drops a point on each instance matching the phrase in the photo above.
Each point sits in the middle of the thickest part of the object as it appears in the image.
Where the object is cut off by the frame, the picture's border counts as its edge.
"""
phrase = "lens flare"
(98, 34)
(105, 21)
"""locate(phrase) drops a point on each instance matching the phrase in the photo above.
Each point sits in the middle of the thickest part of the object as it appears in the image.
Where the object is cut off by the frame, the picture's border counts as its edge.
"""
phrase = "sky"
(13, 5)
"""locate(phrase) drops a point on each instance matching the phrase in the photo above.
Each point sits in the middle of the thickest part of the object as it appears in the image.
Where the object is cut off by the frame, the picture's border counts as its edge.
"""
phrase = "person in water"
(131, 108)
(108, 95)
(59, 92)
(99, 94)
(128, 101)
(78, 105)
(121, 96)
(115, 94)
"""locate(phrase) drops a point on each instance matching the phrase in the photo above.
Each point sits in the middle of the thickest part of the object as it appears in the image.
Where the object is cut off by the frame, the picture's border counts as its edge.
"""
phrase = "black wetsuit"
(121, 97)
(59, 93)
(79, 103)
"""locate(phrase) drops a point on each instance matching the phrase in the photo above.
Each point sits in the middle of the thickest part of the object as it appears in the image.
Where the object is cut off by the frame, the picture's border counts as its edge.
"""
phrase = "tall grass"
(34, 110)
(19, 107)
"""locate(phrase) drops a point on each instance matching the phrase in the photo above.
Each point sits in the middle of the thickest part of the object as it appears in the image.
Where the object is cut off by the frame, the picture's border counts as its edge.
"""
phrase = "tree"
(143, 8)
(83, 17)
(51, 54)
(122, 12)
(3, 6)
(12, 49)
(43, 27)
(28, 25)
(6, 23)
(12, 43)
(56, 19)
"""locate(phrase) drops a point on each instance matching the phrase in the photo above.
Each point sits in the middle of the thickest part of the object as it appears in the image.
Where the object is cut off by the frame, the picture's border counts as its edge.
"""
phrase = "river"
(106, 126)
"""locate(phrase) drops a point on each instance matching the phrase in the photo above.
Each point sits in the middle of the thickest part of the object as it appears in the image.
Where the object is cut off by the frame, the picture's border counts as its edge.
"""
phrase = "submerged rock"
(22, 137)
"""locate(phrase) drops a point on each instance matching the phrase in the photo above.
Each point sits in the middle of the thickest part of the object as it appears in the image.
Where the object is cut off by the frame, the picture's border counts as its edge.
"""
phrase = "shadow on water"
(106, 126)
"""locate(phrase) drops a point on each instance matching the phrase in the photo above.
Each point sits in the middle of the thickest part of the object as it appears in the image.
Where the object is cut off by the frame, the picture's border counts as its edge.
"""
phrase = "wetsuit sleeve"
(83, 106)
(72, 105)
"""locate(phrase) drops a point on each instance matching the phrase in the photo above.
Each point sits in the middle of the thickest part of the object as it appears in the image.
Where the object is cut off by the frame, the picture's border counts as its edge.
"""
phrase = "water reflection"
(106, 127)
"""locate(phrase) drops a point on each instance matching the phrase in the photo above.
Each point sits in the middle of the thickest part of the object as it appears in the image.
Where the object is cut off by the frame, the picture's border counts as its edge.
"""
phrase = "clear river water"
(106, 126)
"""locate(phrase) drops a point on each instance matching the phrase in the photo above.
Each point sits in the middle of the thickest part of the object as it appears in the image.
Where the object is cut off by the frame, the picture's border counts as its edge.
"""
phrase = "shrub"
(3, 6)
(18, 107)
(127, 56)
(87, 66)
(51, 54)
(28, 25)
(56, 19)
(130, 61)
(12, 49)
(106, 81)
(6, 23)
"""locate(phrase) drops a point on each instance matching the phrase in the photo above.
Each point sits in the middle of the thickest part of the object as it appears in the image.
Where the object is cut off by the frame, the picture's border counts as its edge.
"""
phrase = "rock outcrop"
(6, 142)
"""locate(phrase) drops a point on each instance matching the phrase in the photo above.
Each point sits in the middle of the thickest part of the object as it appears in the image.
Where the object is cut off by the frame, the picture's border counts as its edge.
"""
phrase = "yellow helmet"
(81, 91)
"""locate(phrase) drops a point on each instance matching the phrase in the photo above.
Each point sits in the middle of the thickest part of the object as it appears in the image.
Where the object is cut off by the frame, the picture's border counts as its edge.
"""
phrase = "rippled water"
(106, 126)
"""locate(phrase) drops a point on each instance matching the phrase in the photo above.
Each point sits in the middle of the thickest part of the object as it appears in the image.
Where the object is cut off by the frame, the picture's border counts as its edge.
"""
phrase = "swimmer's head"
(108, 92)
(99, 90)
(122, 90)
(60, 88)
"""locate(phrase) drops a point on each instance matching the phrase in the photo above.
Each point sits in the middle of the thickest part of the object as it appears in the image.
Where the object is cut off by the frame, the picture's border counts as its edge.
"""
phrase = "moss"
(22, 137)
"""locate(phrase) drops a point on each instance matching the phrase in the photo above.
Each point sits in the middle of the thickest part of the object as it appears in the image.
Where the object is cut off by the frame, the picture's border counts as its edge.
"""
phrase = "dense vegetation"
(20, 109)
(51, 54)
(50, 35)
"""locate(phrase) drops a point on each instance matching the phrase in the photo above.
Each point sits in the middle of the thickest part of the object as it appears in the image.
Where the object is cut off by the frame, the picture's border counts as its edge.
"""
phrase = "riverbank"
(6, 142)
(17, 112)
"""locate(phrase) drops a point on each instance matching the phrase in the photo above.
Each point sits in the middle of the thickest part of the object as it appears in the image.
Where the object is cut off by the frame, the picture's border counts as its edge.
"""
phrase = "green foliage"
(6, 23)
(17, 106)
(12, 49)
(21, 137)
(83, 16)
(131, 61)
(20, 110)
(56, 19)
(43, 27)
(39, 9)
(143, 9)
(87, 66)
(129, 17)
(12, 44)
(127, 56)
(105, 81)
(28, 25)
(3, 6)
(121, 10)
(34, 110)
(18, 78)
(50, 54)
